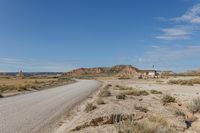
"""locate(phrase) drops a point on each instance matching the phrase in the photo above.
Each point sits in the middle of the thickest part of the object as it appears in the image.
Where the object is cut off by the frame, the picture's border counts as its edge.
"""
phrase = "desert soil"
(98, 120)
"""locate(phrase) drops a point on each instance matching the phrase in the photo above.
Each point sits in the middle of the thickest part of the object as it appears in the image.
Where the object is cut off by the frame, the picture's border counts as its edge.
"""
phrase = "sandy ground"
(36, 112)
(183, 94)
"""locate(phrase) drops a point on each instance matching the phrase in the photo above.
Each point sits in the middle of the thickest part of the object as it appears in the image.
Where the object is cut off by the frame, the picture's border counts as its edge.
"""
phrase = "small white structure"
(148, 74)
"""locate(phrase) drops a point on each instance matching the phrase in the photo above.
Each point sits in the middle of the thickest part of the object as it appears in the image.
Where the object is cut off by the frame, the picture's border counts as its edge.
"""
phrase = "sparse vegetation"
(104, 93)
(130, 126)
(107, 87)
(168, 99)
(123, 88)
(100, 101)
(158, 119)
(136, 92)
(16, 85)
(121, 96)
(194, 107)
(89, 107)
(141, 108)
(165, 130)
(155, 92)
(123, 78)
(179, 113)
(181, 82)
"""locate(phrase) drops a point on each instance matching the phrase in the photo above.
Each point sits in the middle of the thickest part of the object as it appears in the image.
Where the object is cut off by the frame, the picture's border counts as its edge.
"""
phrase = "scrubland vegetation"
(16, 85)
(194, 107)
(89, 107)
(168, 99)
(189, 82)
(142, 106)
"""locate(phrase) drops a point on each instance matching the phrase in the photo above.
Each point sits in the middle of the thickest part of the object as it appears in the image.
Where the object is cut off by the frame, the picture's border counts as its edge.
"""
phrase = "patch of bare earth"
(136, 106)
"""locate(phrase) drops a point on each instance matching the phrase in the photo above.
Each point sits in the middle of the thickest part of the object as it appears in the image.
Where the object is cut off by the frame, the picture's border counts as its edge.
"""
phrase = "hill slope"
(104, 71)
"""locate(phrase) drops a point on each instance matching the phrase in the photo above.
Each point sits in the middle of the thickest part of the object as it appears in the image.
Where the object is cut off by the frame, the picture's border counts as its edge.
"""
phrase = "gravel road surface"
(34, 112)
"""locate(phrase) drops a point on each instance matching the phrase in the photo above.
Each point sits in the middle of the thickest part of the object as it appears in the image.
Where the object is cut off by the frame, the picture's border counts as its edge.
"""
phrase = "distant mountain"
(27, 74)
(104, 71)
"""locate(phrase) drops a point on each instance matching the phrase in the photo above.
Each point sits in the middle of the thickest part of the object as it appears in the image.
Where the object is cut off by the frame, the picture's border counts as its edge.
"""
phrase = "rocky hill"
(104, 71)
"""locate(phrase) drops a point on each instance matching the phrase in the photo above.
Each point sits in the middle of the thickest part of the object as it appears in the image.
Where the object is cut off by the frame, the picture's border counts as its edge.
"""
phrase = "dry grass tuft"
(121, 96)
(141, 108)
(181, 82)
(123, 87)
(105, 93)
(100, 101)
(194, 107)
(168, 99)
(130, 126)
(89, 107)
(136, 92)
(179, 113)
(155, 92)
(158, 119)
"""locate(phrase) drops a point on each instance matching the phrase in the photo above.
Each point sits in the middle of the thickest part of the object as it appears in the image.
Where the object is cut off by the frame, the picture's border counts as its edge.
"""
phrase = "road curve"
(30, 113)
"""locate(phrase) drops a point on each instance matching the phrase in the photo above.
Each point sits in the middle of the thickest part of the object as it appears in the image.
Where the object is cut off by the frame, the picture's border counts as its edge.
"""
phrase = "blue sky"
(60, 35)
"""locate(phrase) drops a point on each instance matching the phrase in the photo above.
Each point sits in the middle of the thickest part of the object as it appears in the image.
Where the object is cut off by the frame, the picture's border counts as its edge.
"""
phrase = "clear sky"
(59, 35)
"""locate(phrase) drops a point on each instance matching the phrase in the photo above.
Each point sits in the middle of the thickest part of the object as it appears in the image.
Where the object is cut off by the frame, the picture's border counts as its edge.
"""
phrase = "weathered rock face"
(115, 70)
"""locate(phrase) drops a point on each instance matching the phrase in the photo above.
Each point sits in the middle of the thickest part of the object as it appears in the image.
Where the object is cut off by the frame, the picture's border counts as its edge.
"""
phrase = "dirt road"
(33, 112)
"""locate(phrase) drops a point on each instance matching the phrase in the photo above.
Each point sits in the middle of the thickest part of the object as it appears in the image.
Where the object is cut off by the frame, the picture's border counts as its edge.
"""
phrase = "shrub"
(140, 108)
(89, 107)
(121, 96)
(104, 93)
(155, 92)
(107, 87)
(179, 113)
(33, 87)
(130, 126)
(117, 86)
(136, 92)
(123, 87)
(158, 119)
(21, 88)
(4, 88)
(100, 101)
(181, 82)
(194, 107)
(121, 78)
(165, 130)
(168, 99)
